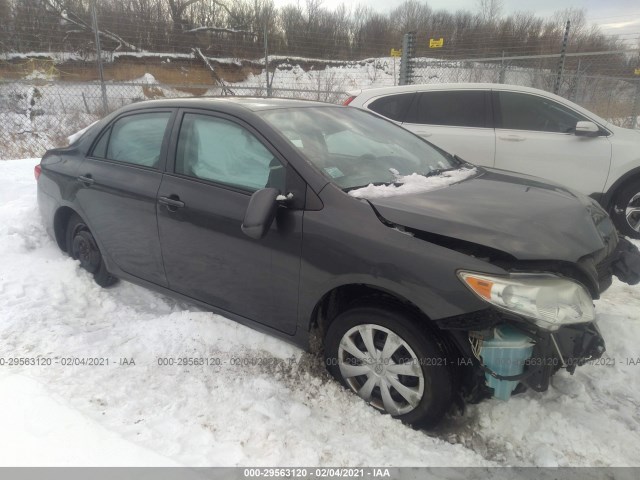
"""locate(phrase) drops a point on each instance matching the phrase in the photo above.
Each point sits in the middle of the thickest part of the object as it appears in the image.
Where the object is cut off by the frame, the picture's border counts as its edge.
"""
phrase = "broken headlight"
(548, 300)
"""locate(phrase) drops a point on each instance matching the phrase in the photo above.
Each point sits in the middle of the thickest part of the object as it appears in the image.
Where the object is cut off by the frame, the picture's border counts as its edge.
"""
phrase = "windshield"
(354, 148)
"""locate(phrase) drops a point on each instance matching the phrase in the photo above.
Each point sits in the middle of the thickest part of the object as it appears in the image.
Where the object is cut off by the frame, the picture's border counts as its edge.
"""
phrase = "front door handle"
(172, 202)
(87, 179)
(512, 138)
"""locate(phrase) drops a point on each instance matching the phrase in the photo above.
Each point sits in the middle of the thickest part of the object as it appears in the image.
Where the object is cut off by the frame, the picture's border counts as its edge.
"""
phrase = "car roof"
(419, 87)
(230, 103)
(365, 95)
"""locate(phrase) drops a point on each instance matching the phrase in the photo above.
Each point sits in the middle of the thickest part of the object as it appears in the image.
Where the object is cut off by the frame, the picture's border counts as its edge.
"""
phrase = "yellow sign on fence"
(436, 42)
(637, 71)
(396, 53)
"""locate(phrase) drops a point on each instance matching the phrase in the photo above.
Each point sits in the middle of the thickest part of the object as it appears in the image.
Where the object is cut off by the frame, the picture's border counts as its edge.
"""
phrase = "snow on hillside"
(38, 112)
(285, 412)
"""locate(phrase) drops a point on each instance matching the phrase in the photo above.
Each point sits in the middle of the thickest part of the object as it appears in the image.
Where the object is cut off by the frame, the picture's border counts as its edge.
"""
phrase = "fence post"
(266, 61)
(576, 88)
(502, 70)
(563, 51)
(94, 18)
(407, 58)
(636, 106)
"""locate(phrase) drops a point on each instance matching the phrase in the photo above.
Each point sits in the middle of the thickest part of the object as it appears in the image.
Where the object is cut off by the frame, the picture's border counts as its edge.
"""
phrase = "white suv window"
(464, 108)
(521, 111)
(392, 106)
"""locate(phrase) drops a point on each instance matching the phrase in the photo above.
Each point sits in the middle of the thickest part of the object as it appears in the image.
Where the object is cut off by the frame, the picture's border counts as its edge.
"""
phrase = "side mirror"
(260, 213)
(587, 129)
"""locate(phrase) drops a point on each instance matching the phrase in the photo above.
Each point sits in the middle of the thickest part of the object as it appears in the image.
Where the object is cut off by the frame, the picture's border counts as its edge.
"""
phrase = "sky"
(613, 16)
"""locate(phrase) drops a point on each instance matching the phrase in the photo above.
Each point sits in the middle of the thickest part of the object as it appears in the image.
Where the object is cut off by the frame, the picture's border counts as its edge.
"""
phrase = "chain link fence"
(41, 107)
(609, 88)
(36, 115)
(617, 99)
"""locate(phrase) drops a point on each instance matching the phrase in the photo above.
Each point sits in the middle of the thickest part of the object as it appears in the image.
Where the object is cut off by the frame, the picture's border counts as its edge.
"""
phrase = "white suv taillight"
(349, 100)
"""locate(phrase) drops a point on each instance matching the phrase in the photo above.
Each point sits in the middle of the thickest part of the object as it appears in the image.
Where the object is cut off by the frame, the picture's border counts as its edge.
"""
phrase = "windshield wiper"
(462, 161)
(375, 184)
(437, 171)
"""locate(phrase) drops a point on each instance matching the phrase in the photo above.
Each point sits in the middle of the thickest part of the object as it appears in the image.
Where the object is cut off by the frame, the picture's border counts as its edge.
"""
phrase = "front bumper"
(575, 345)
(569, 347)
(625, 262)
(572, 346)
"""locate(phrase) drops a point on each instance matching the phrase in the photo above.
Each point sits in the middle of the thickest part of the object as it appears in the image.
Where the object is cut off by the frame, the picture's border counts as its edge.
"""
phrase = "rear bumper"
(47, 206)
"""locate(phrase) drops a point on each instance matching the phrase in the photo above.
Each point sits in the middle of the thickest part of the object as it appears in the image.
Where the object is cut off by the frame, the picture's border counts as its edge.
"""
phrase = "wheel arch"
(60, 222)
(608, 199)
(341, 297)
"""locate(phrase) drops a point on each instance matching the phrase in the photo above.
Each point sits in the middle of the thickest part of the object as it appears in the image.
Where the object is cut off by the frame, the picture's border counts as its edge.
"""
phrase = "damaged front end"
(558, 251)
(537, 324)
(626, 262)
(510, 357)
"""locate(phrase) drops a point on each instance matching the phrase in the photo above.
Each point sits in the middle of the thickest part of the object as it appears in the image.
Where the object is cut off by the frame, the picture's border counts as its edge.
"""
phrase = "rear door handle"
(512, 138)
(86, 179)
(172, 202)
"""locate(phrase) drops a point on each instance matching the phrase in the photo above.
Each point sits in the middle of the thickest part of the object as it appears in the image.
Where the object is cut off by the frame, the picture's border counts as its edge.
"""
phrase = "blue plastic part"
(505, 354)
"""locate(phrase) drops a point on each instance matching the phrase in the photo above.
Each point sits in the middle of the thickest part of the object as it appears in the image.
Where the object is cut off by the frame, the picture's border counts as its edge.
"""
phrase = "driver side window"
(521, 111)
(221, 151)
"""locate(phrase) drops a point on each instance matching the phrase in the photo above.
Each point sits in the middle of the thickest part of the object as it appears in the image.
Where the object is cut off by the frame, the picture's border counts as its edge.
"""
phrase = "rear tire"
(626, 210)
(82, 246)
(398, 369)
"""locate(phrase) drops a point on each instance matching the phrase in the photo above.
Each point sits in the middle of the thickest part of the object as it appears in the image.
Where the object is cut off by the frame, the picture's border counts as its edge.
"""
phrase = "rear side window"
(457, 109)
(222, 151)
(392, 106)
(521, 111)
(135, 139)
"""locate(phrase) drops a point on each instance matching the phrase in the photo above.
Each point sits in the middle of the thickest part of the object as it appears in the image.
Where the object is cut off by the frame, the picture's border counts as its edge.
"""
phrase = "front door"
(535, 135)
(218, 163)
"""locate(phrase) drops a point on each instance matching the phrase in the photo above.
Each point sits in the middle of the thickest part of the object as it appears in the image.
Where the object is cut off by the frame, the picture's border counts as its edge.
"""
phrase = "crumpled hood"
(518, 214)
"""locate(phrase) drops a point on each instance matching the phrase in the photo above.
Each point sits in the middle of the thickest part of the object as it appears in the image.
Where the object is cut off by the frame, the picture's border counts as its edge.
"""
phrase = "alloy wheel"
(632, 212)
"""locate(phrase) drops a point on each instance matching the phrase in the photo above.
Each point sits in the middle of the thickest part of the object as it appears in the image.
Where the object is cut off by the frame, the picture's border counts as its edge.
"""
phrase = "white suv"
(525, 130)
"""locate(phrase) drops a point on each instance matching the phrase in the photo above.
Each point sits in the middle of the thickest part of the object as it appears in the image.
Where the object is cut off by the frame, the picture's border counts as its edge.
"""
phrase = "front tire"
(82, 246)
(384, 357)
(626, 210)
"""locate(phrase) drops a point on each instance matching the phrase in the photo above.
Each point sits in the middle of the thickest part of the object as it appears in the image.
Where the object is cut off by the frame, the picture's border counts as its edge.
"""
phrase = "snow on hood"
(414, 183)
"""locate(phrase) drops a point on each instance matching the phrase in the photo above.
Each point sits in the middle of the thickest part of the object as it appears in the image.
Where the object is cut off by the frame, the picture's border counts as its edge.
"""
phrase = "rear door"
(119, 182)
(535, 135)
(458, 121)
(216, 163)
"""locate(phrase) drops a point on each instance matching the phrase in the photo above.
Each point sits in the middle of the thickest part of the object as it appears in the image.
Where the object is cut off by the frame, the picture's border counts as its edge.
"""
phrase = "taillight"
(37, 170)
(349, 100)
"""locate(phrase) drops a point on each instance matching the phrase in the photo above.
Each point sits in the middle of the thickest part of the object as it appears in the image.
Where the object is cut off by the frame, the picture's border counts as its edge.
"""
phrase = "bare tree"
(71, 18)
(489, 10)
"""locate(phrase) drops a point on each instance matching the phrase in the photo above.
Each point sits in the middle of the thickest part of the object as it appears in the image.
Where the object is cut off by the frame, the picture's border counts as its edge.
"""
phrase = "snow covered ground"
(284, 412)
